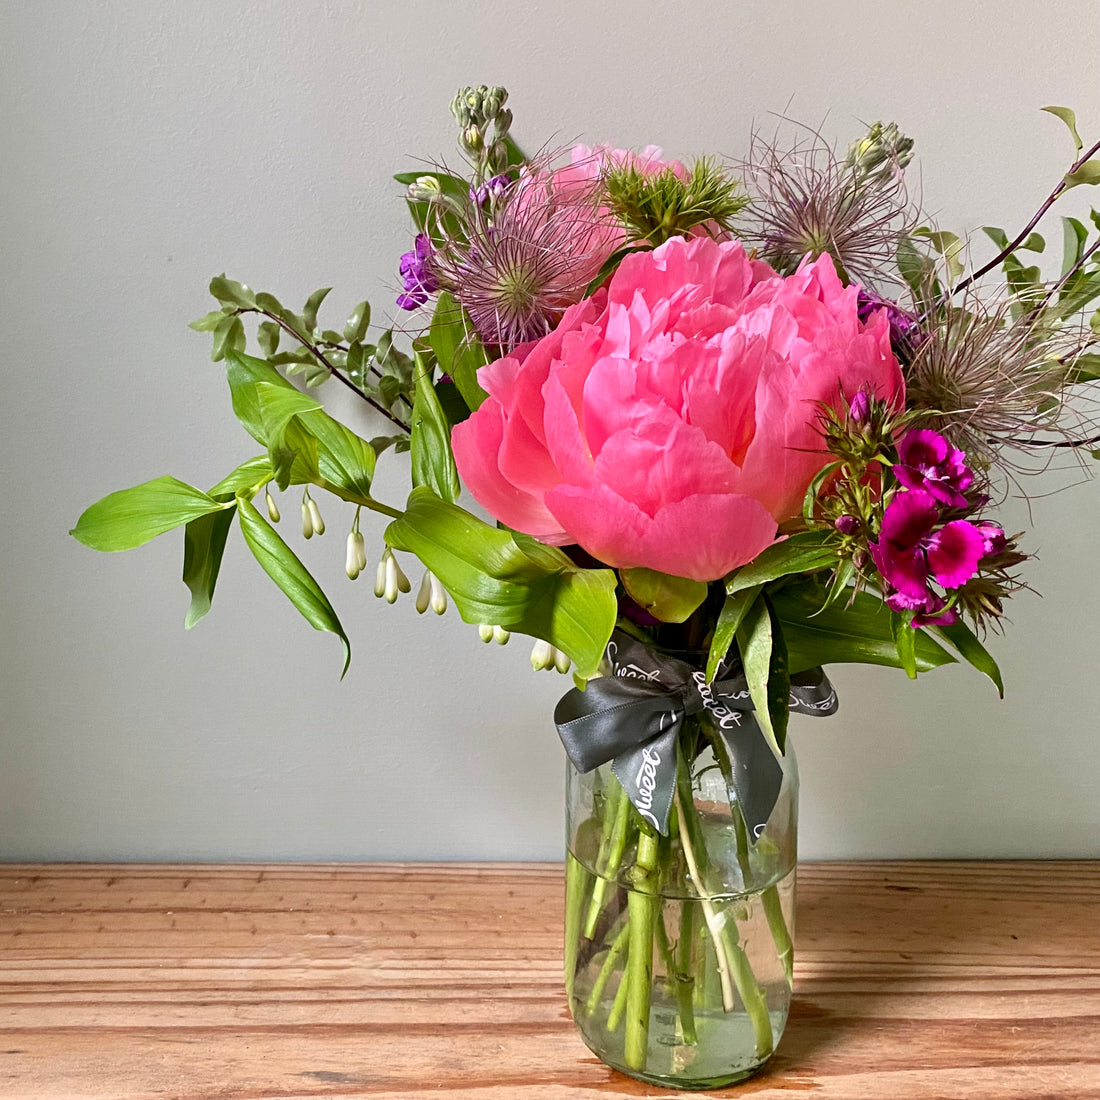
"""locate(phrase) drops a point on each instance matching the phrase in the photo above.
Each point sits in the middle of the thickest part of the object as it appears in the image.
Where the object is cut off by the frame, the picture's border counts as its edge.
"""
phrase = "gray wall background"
(147, 146)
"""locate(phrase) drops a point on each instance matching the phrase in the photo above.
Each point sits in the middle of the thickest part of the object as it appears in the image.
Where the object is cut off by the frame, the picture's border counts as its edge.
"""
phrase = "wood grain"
(953, 981)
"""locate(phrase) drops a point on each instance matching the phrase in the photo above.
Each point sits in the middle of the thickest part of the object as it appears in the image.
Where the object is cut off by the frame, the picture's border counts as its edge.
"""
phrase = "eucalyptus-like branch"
(321, 358)
(1025, 232)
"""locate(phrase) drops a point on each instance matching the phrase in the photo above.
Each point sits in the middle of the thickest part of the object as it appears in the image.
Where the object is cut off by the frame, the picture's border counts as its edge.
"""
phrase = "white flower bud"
(396, 581)
(439, 596)
(500, 635)
(561, 661)
(380, 577)
(542, 656)
(424, 593)
(307, 521)
(315, 516)
(272, 507)
(485, 633)
(356, 560)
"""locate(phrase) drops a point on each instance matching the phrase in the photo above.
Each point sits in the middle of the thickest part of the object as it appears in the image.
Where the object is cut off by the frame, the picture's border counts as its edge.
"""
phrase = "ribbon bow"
(633, 717)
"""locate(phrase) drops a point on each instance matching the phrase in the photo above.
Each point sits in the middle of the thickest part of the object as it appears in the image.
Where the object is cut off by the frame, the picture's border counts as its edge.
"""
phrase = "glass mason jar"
(679, 948)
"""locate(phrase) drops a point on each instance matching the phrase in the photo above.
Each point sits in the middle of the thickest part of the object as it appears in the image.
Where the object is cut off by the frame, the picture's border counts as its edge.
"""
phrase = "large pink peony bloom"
(669, 420)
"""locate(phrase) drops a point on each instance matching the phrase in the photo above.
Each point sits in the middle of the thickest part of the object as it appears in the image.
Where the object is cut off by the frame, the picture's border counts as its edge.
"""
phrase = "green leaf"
(965, 642)
(802, 553)
(131, 517)
(949, 245)
(231, 293)
(433, 463)
(250, 475)
(245, 374)
(861, 633)
(1074, 236)
(914, 267)
(1085, 368)
(228, 337)
(358, 323)
(313, 304)
(765, 661)
(997, 235)
(670, 599)
(203, 546)
(267, 336)
(270, 303)
(279, 562)
(1034, 243)
(1088, 173)
(208, 321)
(450, 400)
(458, 351)
(508, 579)
(1070, 119)
(905, 639)
(730, 618)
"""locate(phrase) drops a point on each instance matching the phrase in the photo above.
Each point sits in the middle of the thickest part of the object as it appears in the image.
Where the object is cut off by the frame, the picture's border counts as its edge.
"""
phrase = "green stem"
(641, 909)
(614, 952)
(615, 1016)
(773, 910)
(616, 815)
(574, 899)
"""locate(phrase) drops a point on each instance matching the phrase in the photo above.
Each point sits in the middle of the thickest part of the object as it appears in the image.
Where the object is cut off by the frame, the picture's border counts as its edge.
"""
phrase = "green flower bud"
(485, 633)
(315, 517)
(472, 138)
(542, 656)
(424, 189)
(500, 635)
(272, 507)
(307, 521)
(356, 560)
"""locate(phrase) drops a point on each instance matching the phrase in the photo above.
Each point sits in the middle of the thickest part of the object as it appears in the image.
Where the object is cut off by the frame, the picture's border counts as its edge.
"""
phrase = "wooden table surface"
(392, 981)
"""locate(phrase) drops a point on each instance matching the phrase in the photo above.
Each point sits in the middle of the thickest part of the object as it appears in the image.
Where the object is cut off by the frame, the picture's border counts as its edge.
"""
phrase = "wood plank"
(913, 980)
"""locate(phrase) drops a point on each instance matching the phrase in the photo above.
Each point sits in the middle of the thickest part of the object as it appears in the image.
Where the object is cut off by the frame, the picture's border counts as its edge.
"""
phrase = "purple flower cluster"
(905, 331)
(920, 541)
(416, 273)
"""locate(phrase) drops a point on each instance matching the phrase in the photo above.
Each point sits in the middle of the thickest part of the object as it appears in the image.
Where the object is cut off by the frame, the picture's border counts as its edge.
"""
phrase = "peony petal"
(726, 530)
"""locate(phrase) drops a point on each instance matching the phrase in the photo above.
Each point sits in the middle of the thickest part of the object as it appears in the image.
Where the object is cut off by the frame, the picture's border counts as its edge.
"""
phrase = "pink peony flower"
(669, 420)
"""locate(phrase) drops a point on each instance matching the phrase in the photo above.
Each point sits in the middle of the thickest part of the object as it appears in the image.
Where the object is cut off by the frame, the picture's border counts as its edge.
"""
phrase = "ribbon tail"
(647, 773)
(757, 775)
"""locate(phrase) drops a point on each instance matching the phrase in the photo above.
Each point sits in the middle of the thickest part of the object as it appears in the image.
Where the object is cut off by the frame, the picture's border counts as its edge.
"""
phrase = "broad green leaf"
(1088, 174)
(267, 336)
(965, 642)
(250, 475)
(203, 546)
(228, 337)
(279, 562)
(270, 303)
(1070, 119)
(670, 599)
(433, 464)
(905, 639)
(860, 633)
(764, 658)
(296, 421)
(232, 293)
(802, 553)
(245, 373)
(458, 351)
(997, 235)
(948, 245)
(730, 618)
(313, 304)
(131, 517)
(508, 579)
(1074, 236)
(1085, 368)
(357, 324)
(208, 321)
(914, 267)
(1034, 243)
(450, 400)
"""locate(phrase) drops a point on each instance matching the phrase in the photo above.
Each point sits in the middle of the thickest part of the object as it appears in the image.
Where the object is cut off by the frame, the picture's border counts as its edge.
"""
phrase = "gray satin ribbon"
(634, 716)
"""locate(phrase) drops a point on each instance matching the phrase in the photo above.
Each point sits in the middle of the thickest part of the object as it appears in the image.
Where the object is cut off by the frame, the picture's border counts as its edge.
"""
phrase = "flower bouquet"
(723, 425)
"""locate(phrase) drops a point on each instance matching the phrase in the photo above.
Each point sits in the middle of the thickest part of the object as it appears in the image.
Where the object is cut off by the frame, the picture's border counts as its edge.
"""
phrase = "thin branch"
(319, 355)
(1025, 232)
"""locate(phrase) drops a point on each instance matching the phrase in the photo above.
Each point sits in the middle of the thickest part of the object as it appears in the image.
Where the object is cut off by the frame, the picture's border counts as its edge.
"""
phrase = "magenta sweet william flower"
(913, 550)
(670, 420)
(926, 460)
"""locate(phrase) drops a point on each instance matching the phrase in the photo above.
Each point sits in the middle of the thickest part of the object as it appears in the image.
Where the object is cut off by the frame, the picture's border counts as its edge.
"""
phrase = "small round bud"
(846, 525)
(485, 633)
(500, 635)
(542, 656)
(859, 409)
(473, 139)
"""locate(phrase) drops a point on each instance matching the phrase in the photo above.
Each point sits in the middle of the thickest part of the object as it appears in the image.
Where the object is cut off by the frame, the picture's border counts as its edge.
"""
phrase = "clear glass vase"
(679, 948)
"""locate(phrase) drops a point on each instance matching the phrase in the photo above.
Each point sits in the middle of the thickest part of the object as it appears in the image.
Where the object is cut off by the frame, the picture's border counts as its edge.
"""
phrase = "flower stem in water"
(641, 910)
